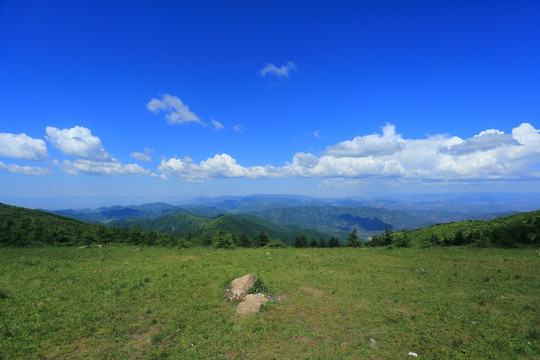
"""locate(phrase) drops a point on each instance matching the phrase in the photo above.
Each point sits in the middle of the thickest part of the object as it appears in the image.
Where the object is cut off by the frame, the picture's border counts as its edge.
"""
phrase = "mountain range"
(333, 217)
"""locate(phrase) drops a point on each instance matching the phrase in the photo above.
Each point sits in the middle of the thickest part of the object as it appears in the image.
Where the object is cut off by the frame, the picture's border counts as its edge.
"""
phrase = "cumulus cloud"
(282, 71)
(220, 166)
(77, 141)
(22, 146)
(140, 156)
(27, 170)
(176, 111)
(369, 145)
(217, 125)
(484, 141)
(106, 168)
(489, 155)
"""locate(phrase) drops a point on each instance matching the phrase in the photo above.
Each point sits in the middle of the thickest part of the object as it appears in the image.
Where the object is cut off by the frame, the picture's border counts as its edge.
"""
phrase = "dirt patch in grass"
(311, 291)
(179, 258)
(81, 348)
(373, 344)
(143, 340)
(307, 340)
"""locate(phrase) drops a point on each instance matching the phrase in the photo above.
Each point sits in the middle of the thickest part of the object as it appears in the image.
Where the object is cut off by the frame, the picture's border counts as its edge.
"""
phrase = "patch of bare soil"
(311, 291)
(179, 258)
(373, 344)
(307, 339)
(142, 340)
(81, 348)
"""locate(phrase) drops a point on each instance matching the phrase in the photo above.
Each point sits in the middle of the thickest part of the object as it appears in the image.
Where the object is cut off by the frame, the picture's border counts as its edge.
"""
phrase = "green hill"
(522, 229)
(24, 227)
(182, 223)
(340, 221)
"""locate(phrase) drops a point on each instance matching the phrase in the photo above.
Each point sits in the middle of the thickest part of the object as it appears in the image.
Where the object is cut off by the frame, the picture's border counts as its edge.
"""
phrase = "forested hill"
(183, 224)
(522, 229)
(25, 227)
(367, 220)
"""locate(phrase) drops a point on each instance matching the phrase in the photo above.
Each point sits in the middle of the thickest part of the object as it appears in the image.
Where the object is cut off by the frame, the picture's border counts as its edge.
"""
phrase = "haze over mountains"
(328, 216)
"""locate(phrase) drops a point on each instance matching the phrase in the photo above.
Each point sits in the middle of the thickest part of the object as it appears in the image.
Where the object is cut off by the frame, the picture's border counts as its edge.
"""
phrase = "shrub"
(259, 287)
(277, 244)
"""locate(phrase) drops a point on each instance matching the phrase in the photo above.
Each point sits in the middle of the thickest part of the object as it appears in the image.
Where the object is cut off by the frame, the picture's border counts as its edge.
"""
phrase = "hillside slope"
(514, 230)
(182, 223)
(24, 227)
(342, 220)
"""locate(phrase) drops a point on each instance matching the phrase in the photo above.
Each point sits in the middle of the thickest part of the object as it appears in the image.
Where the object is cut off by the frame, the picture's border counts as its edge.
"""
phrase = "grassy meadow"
(120, 302)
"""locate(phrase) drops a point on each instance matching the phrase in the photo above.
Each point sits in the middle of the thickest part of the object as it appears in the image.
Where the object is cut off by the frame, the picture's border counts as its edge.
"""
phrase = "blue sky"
(147, 101)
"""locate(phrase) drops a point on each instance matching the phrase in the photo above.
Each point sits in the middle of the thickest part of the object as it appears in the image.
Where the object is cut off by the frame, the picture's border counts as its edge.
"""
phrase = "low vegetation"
(129, 302)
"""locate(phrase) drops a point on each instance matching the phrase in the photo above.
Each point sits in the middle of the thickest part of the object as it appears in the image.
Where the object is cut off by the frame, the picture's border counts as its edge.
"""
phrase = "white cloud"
(27, 170)
(369, 145)
(487, 156)
(316, 134)
(282, 71)
(140, 156)
(217, 125)
(220, 166)
(238, 128)
(177, 112)
(106, 168)
(77, 141)
(22, 146)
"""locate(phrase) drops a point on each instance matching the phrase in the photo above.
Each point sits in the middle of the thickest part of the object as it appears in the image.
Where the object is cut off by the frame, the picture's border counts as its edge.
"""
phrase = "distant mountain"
(107, 214)
(336, 217)
(253, 203)
(182, 223)
(478, 203)
(368, 220)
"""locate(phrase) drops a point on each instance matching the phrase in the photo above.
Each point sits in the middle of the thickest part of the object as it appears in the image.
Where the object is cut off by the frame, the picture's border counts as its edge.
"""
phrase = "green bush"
(259, 287)
(277, 244)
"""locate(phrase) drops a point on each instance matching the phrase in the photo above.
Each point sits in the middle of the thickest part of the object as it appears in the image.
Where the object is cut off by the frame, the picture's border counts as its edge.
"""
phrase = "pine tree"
(243, 240)
(261, 239)
(333, 242)
(352, 239)
(300, 241)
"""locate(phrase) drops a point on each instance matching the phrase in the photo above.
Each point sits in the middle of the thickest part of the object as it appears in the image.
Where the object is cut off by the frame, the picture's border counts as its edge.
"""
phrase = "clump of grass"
(3, 295)
(259, 287)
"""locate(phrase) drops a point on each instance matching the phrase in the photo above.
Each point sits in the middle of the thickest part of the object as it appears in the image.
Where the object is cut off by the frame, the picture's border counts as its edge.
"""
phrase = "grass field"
(120, 302)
